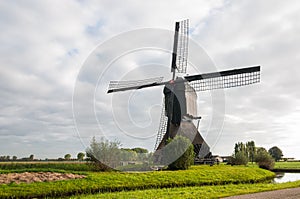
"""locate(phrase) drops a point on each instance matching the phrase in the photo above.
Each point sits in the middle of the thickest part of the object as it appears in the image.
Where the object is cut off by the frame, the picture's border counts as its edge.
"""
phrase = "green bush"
(264, 160)
(240, 159)
(104, 155)
(179, 153)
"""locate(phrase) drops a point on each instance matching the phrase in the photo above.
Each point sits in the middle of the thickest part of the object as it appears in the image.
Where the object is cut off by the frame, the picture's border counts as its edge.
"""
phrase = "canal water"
(286, 177)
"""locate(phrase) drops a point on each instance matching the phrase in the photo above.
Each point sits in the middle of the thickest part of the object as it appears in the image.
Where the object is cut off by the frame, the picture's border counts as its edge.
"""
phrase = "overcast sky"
(52, 49)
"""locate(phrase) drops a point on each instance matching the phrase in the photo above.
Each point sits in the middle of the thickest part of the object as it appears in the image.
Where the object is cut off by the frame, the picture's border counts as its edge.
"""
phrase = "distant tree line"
(14, 158)
(243, 153)
(67, 157)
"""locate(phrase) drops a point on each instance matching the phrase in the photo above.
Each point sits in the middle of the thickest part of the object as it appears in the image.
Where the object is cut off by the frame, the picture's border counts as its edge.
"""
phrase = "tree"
(260, 149)
(251, 150)
(264, 159)
(134, 154)
(105, 154)
(243, 153)
(240, 147)
(240, 158)
(14, 158)
(80, 156)
(179, 153)
(68, 156)
(128, 155)
(276, 153)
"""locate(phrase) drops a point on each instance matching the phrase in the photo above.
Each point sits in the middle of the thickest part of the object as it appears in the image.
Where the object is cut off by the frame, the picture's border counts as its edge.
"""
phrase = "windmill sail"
(182, 48)
(115, 86)
(162, 126)
(224, 79)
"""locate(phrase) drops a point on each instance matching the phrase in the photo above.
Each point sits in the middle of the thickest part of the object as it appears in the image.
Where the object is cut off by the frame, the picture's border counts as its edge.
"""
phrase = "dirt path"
(29, 177)
(293, 193)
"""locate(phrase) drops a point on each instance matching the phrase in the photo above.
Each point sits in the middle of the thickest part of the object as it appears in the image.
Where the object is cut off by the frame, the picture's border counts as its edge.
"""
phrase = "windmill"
(180, 93)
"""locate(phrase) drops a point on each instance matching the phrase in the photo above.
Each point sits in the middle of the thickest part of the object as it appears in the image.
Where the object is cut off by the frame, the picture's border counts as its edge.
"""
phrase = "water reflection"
(286, 177)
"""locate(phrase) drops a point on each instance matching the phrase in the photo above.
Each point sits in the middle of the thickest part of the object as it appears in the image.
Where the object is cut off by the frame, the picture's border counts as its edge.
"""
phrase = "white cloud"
(45, 43)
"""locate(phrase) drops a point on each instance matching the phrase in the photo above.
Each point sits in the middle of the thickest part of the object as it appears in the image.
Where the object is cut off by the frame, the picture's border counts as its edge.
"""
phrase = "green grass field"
(287, 165)
(216, 191)
(104, 182)
(197, 182)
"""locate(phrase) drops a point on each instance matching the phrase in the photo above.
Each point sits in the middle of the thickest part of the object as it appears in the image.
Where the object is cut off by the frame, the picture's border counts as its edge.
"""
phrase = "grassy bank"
(118, 181)
(196, 192)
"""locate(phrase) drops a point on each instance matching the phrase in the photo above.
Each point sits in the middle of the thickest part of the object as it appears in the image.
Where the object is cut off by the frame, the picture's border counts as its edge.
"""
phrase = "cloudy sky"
(58, 57)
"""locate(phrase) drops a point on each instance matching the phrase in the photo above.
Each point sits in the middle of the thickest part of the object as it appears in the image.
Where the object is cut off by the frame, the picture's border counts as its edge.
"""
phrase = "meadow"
(216, 191)
(206, 181)
(288, 166)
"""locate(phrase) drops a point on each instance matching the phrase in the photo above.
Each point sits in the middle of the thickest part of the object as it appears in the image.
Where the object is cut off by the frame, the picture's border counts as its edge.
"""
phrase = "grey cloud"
(44, 44)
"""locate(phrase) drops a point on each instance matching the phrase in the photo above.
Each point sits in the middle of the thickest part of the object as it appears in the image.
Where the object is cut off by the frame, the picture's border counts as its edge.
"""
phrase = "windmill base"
(188, 130)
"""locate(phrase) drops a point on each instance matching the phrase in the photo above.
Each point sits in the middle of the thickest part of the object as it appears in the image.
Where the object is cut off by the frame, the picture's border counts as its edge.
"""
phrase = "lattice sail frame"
(219, 81)
(133, 83)
(162, 129)
(182, 49)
